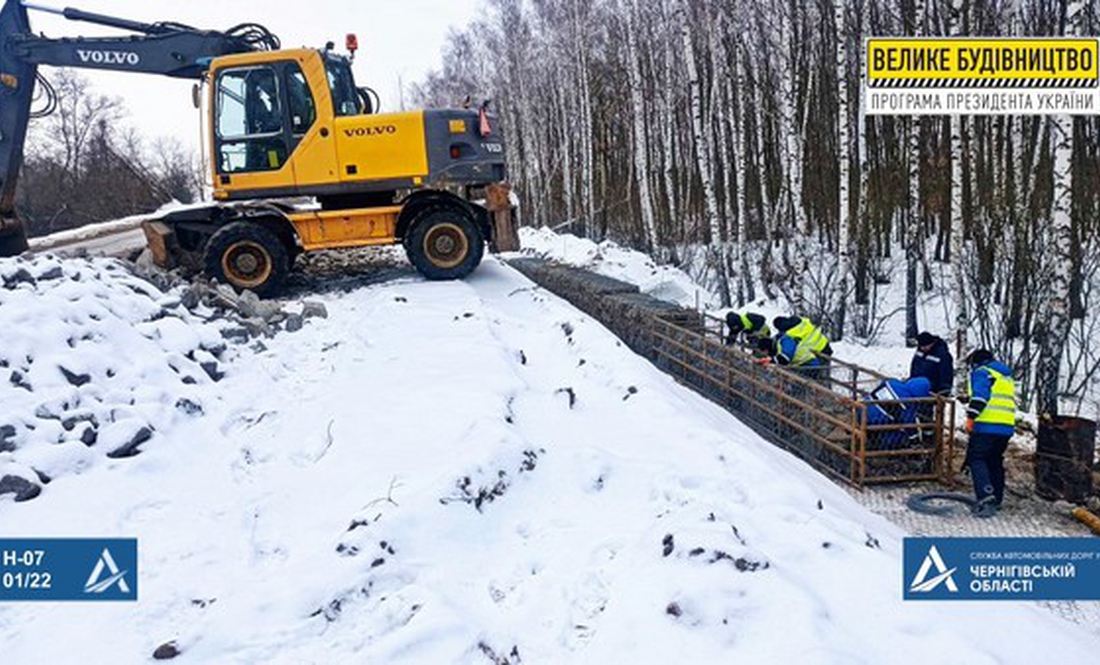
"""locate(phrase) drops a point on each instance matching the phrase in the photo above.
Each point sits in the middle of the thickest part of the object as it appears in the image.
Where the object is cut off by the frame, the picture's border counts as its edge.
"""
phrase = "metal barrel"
(1064, 458)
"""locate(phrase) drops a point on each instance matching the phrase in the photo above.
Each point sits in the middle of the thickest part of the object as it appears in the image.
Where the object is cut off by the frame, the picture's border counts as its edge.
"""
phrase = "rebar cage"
(820, 414)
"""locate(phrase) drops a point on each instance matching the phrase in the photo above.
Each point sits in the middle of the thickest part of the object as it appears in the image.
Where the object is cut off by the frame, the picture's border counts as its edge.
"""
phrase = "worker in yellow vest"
(991, 421)
(748, 327)
(800, 343)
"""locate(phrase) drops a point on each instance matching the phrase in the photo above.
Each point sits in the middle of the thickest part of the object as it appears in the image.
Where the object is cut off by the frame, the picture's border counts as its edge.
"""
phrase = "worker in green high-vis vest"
(991, 422)
(748, 328)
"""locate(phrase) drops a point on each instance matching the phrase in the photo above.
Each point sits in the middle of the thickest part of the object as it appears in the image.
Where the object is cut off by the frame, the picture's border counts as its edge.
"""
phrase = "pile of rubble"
(246, 315)
(99, 356)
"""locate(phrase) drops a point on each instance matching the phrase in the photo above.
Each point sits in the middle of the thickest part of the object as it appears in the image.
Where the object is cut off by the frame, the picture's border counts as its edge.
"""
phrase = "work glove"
(969, 425)
(764, 361)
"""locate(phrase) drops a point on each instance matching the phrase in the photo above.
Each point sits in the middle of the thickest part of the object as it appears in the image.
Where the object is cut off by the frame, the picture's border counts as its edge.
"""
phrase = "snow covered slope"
(608, 258)
(476, 472)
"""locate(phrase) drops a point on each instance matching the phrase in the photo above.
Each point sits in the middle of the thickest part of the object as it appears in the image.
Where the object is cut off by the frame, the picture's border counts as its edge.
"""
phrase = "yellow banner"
(982, 61)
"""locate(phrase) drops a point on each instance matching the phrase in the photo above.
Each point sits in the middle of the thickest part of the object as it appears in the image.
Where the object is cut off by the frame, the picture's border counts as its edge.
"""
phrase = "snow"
(613, 260)
(88, 346)
(447, 472)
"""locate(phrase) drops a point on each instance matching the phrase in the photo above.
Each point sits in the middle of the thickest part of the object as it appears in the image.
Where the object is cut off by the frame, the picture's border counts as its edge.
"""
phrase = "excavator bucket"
(498, 201)
(16, 91)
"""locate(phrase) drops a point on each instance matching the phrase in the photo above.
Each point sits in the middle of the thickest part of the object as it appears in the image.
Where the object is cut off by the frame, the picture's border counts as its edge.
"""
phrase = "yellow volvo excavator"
(282, 123)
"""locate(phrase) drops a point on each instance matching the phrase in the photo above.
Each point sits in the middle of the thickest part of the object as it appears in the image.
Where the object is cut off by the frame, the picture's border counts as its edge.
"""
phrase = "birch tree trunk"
(747, 287)
(862, 310)
(915, 227)
(958, 233)
(840, 296)
(1055, 308)
(702, 157)
(641, 156)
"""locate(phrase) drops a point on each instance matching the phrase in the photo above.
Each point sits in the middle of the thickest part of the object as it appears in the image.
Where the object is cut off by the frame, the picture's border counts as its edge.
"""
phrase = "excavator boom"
(167, 49)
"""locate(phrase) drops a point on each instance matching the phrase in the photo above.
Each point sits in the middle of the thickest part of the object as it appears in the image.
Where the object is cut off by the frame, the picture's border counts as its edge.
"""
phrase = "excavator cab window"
(345, 98)
(303, 111)
(249, 121)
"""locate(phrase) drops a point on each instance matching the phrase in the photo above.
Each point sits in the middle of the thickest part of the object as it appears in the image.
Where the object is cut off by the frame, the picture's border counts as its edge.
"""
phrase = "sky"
(399, 40)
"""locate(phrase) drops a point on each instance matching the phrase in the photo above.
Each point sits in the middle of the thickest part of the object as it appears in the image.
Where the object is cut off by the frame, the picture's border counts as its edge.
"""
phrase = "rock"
(311, 309)
(215, 349)
(294, 322)
(250, 306)
(19, 381)
(23, 489)
(53, 273)
(130, 448)
(89, 436)
(257, 327)
(188, 407)
(236, 335)
(42, 477)
(223, 295)
(211, 369)
(7, 433)
(72, 421)
(18, 277)
(166, 651)
(190, 297)
(73, 378)
(1093, 504)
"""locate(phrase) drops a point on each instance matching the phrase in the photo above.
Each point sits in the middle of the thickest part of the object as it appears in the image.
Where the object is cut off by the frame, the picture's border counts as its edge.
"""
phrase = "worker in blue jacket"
(888, 404)
(933, 361)
(800, 343)
(991, 421)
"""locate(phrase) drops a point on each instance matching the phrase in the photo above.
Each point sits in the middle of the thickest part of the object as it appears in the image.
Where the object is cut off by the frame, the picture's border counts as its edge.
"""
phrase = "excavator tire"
(445, 243)
(246, 255)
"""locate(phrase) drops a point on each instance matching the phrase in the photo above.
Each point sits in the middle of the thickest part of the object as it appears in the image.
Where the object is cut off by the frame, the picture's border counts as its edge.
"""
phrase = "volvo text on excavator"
(282, 124)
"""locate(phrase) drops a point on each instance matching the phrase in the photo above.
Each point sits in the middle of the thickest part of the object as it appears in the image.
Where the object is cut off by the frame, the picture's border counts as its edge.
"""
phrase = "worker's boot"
(986, 508)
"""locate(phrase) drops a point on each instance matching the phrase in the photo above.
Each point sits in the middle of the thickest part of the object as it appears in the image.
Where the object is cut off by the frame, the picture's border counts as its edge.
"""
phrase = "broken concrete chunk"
(236, 335)
(190, 298)
(311, 309)
(251, 306)
(257, 327)
(294, 323)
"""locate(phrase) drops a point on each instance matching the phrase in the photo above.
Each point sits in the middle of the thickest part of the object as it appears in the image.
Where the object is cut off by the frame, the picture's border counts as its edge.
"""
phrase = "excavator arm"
(167, 49)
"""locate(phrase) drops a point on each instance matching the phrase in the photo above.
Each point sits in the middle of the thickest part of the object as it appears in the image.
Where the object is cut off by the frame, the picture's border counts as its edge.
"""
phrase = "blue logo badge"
(1001, 569)
(80, 569)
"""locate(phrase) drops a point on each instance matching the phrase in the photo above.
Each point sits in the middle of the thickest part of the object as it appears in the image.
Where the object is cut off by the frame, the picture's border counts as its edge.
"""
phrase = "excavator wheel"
(246, 255)
(445, 243)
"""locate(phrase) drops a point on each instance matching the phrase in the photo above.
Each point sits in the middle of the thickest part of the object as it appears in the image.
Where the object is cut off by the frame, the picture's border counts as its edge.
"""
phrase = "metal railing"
(820, 414)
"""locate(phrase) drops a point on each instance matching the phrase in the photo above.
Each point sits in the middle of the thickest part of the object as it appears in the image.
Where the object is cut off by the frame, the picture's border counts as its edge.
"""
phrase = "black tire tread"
(233, 232)
(418, 229)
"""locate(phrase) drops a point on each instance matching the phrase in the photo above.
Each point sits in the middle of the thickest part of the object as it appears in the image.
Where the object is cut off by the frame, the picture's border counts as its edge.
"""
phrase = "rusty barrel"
(1064, 458)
